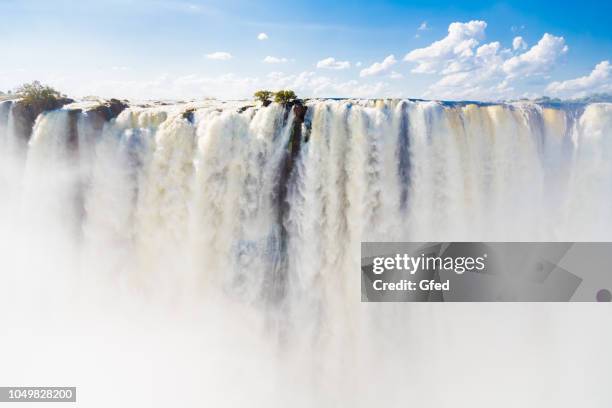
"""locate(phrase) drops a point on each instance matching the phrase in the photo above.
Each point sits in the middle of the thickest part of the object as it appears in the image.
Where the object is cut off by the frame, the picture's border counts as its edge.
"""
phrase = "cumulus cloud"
(223, 86)
(168, 86)
(275, 60)
(219, 55)
(422, 27)
(231, 86)
(458, 45)
(539, 58)
(331, 63)
(468, 69)
(379, 68)
(262, 36)
(518, 43)
(309, 83)
(395, 75)
(599, 80)
(305, 84)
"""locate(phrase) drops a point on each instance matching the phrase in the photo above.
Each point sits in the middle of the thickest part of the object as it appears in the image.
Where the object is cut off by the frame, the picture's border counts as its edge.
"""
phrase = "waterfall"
(208, 224)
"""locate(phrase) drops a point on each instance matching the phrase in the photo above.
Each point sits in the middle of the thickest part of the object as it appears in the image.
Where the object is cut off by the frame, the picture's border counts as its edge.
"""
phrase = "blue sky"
(194, 49)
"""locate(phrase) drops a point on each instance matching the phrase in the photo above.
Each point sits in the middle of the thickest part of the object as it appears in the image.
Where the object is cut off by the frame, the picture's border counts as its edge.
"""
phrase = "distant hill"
(595, 98)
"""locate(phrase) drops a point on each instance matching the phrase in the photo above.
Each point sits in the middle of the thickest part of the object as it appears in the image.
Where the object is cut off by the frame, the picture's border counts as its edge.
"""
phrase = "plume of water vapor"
(158, 257)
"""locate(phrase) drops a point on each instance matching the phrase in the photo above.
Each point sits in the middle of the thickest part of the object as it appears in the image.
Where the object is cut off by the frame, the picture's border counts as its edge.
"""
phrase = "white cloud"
(468, 69)
(107, 84)
(456, 46)
(194, 8)
(358, 64)
(223, 86)
(518, 43)
(379, 68)
(331, 63)
(309, 83)
(423, 26)
(599, 80)
(540, 58)
(275, 60)
(219, 55)
(232, 86)
(262, 36)
(395, 75)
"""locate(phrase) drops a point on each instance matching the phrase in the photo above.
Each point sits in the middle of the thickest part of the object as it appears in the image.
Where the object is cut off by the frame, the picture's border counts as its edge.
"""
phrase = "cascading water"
(237, 245)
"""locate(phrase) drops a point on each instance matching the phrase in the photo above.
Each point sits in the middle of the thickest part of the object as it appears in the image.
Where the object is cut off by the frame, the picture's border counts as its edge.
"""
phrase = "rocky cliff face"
(25, 113)
(106, 111)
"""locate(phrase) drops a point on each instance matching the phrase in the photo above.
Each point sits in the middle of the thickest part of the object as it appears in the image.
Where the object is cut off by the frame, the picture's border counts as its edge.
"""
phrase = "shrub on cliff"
(285, 96)
(263, 96)
(35, 98)
(40, 97)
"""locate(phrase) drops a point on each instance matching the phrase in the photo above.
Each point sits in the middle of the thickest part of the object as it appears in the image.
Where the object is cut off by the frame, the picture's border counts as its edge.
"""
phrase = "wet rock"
(295, 140)
(244, 108)
(73, 128)
(299, 109)
(105, 112)
(25, 113)
(5, 108)
(287, 176)
(110, 109)
(189, 115)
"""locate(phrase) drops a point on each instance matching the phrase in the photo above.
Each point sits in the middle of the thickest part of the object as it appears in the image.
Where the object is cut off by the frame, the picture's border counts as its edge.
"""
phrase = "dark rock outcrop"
(188, 114)
(5, 108)
(73, 128)
(109, 110)
(295, 141)
(276, 282)
(244, 108)
(25, 113)
(293, 150)
(106, 112)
